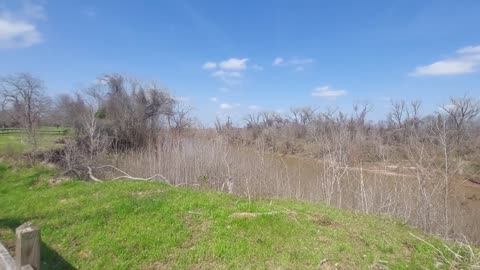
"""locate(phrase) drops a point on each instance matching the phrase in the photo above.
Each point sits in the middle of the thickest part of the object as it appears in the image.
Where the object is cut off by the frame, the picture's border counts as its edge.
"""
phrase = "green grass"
(149, 225)
(17, 143)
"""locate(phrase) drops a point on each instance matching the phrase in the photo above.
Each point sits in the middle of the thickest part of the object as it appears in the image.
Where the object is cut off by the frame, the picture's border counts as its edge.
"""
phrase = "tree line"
(125, 113)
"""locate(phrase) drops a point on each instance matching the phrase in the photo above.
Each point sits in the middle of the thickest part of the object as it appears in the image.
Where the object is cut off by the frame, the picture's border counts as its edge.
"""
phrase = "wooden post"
(27, 246)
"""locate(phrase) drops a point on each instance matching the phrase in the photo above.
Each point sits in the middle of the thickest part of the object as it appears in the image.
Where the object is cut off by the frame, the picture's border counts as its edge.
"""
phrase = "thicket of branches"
(115, 114)
(309, 131)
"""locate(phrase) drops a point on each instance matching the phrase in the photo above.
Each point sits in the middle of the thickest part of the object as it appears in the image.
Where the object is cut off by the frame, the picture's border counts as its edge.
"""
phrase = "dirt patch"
(57, 180)
(243, 215)
(327, 265)
(322, 220)
(85, 254)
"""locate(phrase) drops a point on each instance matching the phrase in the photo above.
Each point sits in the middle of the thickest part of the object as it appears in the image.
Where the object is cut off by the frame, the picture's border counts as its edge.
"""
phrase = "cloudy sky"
(232, 57)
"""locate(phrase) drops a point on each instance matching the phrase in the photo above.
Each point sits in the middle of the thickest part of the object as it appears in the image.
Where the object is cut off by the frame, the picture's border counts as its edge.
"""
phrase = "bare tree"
(135, 111)
(4, 119)
(413, 114)
(25, 97)
(89, 119)
(361, 110)
(447, 166)
(271, 119)
(252, 120)
(221, 127)
(180, 119)
(302, 115)
(397, 113)
(460, 111)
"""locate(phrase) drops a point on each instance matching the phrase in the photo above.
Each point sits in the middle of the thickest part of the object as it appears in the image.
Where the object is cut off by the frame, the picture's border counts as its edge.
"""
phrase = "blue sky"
(232, 57)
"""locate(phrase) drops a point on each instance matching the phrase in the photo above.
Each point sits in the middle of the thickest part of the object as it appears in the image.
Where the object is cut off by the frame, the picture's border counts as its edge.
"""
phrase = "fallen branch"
(91, 176)
(124, 176)
(257, 214)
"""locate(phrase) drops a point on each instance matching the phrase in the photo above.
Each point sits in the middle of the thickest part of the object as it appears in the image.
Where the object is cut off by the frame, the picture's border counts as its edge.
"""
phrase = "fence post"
(27, 246)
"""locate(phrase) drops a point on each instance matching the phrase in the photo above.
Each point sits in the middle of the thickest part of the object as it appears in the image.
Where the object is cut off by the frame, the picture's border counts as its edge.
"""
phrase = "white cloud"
(228, 106)
(278, 61)
(301, 61)
(226, 74)
(328, 92)
(298, 64)
(18, 29)
(213, 99)
(225, 106)
(234, 64)
(209, 65)
(447, 67)
(230, 71)
(465, 60)
(469, 49)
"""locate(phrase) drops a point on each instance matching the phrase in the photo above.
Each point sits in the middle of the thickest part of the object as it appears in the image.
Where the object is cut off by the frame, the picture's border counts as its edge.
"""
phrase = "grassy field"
(16, 143)
(149, 225)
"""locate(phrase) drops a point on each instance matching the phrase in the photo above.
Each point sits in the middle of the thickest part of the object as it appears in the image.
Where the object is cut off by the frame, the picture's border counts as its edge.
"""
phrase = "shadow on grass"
(50, 259)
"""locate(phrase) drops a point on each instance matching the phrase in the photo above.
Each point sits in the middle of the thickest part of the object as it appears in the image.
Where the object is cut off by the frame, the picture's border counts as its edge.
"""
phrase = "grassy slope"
(149, 225)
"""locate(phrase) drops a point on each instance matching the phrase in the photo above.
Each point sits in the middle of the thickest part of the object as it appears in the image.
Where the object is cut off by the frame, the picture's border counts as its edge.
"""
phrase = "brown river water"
(386, 190)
